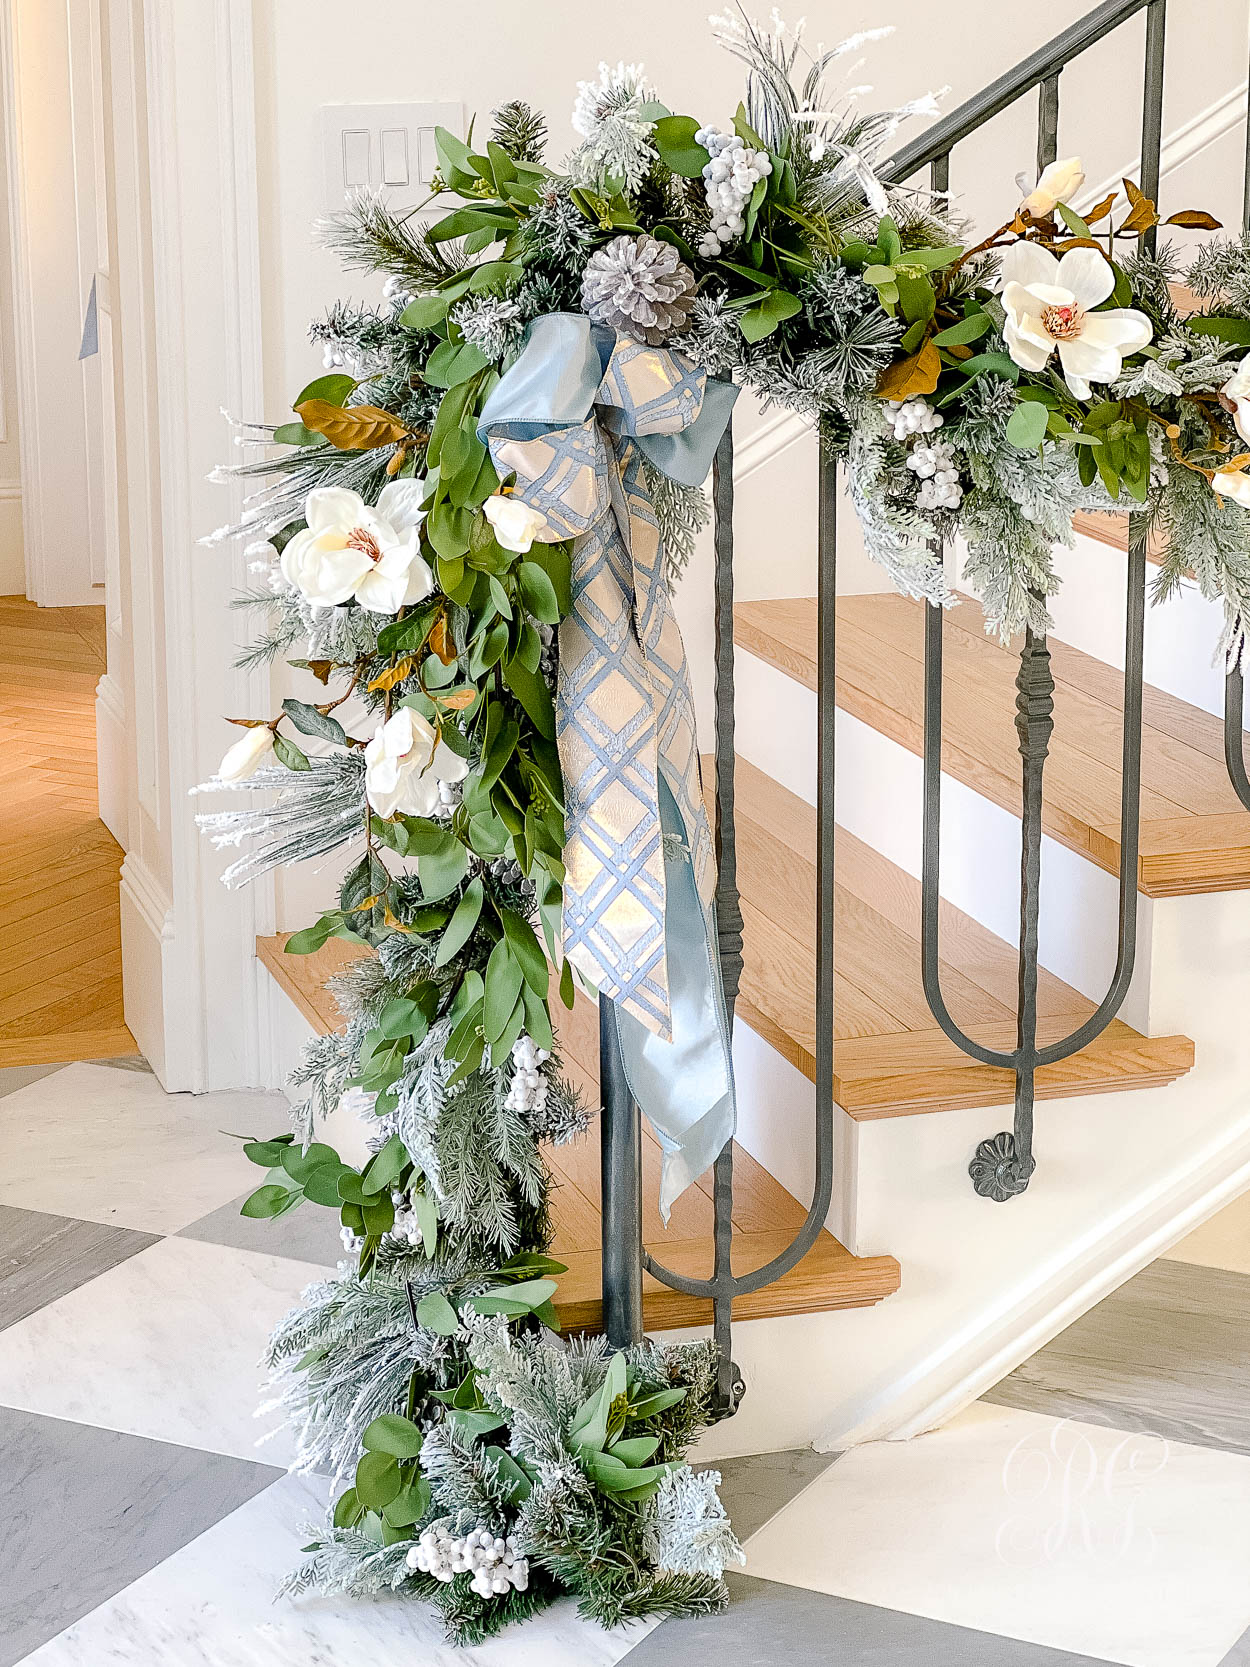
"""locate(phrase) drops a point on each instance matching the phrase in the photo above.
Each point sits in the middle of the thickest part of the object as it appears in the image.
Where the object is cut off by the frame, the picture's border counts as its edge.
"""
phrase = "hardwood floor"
(1195, 837)
(60, 932)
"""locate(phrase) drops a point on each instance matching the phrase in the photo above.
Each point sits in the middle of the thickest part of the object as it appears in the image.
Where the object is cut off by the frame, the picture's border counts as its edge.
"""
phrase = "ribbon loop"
(573, 419)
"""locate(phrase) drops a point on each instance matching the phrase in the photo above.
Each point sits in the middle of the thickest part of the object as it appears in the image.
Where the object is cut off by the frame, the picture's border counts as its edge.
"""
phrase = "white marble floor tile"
(112, 1146)
(212, 1605)
(1086, 1539)
(166, 1345)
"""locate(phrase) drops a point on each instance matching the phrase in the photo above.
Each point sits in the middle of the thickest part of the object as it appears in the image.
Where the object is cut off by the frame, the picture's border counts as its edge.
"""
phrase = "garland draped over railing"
(500, 452)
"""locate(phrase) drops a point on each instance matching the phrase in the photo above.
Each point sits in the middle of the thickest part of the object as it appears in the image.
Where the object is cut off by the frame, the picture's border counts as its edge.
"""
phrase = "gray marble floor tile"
(308, 1233)
(1168, 1353)
(84, 1512)
(769, 1624)
(1239, 1655)
(128, 1062)
(13, 1077)
(755, 1488)
(43, 1257)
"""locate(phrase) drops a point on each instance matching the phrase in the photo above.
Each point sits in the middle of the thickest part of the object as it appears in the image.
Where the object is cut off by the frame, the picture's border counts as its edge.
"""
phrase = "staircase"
(1141, 1134)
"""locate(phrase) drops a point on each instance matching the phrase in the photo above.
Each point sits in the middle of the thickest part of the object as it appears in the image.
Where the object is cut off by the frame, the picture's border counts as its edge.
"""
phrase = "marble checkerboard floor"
(1094, 1508)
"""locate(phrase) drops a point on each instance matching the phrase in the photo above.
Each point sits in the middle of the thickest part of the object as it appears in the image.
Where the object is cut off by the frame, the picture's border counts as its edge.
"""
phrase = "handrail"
(939, 139)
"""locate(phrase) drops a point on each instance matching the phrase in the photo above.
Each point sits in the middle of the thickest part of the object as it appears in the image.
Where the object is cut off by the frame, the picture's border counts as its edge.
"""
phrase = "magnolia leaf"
(393, 675)
(1101, 210)
(458, 701)
(333, 389)
(353, 428)
(1196, 217)
(309, 721)
(440, 641)
(286, 752)
(917, 375)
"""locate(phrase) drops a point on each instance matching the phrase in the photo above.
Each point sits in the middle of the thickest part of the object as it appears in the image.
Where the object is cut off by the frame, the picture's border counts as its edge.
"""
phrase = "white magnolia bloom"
(350, 550)
(246, 754)
(1233, 484)
(1049, 304)
(516, 524)
(1236, 392)
(404, 764)
(1058, 184)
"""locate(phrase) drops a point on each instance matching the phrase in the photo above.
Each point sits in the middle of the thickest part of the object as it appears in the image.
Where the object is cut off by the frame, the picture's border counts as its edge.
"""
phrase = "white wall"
(12, 564)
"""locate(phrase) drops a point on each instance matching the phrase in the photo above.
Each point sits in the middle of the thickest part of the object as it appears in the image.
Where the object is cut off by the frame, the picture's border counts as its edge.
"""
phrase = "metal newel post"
(620, 1139)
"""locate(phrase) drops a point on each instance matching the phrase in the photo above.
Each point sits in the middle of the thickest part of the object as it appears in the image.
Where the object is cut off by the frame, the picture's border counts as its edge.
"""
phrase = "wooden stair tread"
(890, 1059)
(765, 1215)
(1195, 836)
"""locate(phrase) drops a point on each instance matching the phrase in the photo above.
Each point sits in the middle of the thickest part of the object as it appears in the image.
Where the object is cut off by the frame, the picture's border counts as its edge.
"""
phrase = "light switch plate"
(387, 147)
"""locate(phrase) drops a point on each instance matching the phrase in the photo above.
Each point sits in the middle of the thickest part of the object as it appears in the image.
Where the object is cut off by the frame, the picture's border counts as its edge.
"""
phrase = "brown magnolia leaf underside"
(917, 375)
(351, 428)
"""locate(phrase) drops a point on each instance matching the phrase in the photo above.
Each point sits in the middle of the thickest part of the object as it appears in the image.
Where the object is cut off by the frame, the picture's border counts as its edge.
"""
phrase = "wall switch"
(383, 147)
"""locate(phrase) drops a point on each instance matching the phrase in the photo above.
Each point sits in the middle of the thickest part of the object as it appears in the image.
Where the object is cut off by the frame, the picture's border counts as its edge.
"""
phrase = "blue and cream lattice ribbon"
(573, 420)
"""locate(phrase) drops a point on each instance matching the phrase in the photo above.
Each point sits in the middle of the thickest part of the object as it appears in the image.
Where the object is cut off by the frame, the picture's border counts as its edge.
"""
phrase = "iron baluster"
(727, 1284)
(1234, 683)
(620, 1147)
(729, 1385)
(1003, 1164)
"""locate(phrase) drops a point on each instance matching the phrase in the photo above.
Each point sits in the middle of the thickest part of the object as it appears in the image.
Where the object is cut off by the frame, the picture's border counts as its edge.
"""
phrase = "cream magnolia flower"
(1057, 183)
(246, 754)
(404, 764)
(516, 524)
(350, 550)
(1049, 304)
(1236, 394)
(1233, 484)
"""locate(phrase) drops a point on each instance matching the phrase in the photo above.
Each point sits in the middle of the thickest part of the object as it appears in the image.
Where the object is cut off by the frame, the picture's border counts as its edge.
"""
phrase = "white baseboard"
(12, 550)
(111, 758)
(148, 980)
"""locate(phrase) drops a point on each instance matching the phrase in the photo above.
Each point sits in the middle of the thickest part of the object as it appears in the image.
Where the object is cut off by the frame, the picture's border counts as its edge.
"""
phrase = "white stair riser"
(880, 801)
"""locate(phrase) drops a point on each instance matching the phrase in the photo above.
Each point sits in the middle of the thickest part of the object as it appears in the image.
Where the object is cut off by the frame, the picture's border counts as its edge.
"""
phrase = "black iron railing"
(1003, 1165)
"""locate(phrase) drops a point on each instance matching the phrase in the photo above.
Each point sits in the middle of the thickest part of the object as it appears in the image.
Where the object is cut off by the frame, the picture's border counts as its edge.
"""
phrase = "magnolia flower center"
(1063, 323)
(360, 538)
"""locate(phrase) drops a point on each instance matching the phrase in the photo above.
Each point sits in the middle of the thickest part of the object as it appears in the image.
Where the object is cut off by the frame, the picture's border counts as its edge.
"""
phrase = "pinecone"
(639, 286)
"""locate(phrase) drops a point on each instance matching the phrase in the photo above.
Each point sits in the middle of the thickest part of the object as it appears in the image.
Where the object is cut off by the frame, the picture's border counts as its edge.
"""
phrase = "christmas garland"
(479, 1460)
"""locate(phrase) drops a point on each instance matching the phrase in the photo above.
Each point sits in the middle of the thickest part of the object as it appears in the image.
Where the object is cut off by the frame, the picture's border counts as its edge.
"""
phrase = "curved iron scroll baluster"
(724, 1285)
(1003, 1164)
(1234, 741)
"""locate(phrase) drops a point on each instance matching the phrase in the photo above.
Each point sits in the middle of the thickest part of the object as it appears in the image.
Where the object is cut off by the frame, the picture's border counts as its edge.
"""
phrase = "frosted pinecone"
(639, 286)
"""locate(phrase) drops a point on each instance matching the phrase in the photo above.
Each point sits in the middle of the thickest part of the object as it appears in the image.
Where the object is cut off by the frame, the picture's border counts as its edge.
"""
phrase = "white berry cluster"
(913, 416)
(934, 464)
(407, 1229)
(529, 1086)
(351, 1242)
(493, 1560)
(937, 471)
(728, 179)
